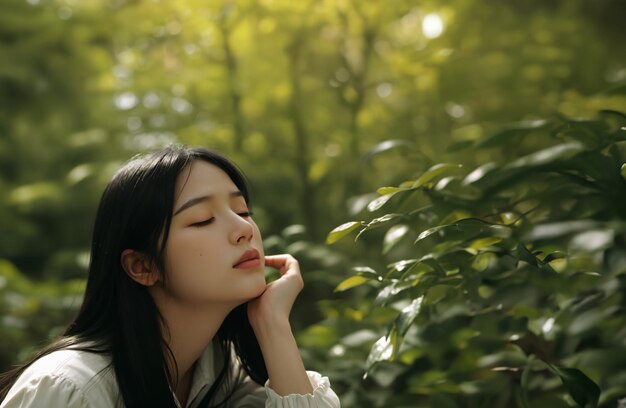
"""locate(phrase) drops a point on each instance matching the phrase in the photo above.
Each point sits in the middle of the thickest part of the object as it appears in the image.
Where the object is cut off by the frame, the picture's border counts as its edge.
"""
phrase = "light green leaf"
(351, 282)
(483, 243)
(379, 202)
(390, 190)
(341, 231)
(433, 172)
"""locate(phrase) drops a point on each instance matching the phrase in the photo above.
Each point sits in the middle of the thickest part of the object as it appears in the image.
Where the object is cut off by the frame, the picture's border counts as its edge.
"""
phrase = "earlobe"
(139, 267)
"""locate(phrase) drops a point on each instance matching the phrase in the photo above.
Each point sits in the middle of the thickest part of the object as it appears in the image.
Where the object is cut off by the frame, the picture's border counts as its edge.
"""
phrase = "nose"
(242, 230)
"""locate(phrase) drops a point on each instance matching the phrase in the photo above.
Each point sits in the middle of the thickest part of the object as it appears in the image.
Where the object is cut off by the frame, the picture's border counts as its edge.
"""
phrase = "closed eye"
(203, 223)
(245, 214)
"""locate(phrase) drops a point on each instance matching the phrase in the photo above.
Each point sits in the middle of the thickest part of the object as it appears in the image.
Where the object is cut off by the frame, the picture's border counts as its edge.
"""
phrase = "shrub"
(504, 285)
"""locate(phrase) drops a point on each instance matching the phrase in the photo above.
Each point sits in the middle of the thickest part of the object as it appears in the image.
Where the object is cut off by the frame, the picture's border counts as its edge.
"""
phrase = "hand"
(274, 304)
(269, 317)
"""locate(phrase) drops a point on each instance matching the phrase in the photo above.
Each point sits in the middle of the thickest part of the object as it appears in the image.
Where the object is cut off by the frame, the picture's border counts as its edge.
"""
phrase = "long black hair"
(118, 315)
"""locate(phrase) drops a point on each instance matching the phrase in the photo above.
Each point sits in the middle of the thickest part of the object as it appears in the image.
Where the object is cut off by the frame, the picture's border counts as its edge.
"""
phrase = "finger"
(274, 258)
(284, 263)
(277, 261)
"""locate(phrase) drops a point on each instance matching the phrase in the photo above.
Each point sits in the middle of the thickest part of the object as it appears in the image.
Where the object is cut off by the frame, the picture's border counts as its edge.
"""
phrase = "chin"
(251, 287)
(260, 286)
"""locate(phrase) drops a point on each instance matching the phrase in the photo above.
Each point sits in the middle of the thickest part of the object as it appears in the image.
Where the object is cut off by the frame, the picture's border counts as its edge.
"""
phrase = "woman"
(176, 310)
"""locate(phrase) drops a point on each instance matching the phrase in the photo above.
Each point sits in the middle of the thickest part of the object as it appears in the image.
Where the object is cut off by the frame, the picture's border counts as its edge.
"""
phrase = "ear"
(139, 267)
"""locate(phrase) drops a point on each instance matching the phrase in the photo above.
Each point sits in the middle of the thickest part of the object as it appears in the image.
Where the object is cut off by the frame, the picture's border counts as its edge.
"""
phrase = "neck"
(188, 330)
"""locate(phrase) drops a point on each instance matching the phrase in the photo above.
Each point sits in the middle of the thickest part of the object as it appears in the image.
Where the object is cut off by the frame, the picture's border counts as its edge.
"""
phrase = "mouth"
(249, 259)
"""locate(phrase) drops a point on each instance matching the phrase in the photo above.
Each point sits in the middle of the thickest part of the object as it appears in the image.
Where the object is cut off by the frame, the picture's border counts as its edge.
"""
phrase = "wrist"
(270, 327)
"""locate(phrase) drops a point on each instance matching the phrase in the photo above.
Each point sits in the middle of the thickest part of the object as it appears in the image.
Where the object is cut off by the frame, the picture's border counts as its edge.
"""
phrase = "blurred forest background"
(491, 274)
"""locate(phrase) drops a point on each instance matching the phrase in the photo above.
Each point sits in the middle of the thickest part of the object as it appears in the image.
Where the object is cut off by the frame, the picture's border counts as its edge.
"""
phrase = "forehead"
(203, 178)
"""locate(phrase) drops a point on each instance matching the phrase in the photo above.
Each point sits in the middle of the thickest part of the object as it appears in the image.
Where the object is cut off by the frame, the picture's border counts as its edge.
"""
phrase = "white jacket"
(80, 379)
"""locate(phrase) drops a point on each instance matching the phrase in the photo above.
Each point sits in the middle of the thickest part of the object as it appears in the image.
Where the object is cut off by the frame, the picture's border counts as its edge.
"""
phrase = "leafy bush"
(32, 313)
(502, 286)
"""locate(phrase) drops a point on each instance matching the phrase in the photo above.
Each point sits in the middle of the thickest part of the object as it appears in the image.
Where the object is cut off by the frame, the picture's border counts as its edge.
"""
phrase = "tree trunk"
(302, 159)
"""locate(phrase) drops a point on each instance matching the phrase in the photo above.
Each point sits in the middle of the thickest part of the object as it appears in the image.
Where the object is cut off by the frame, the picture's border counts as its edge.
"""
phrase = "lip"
(249, 259)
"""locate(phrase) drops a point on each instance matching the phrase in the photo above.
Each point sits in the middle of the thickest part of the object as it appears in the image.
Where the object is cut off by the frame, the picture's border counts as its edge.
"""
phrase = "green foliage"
(507, 277)
(32, 312)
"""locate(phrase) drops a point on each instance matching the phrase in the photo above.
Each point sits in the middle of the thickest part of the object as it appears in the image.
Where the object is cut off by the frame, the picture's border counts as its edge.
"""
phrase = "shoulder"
(81, 368)
(69, 377)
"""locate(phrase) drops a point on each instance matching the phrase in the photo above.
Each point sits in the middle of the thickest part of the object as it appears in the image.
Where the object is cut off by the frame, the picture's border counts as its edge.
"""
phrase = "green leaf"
(433, 172)
(549, 155)
(390, 190)
(436, 293)
(393, 236)
(468, 228)
(379, 202)
(524, 255)
(367, 272)
(380, 221)
(483, 243)
(381, 351)
(351, 282)
(622, 171)
(480, 172)
(384, 147)
(341, 231)
(582, 389)
(505, 134)
(390, 291)
(408, 315)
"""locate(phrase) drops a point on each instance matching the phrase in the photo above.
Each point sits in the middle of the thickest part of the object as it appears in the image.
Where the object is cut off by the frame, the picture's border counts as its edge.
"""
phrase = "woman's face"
(211, 230)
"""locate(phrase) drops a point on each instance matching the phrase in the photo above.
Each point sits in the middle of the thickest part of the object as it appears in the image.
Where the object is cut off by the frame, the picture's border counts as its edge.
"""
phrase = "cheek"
(194, 252)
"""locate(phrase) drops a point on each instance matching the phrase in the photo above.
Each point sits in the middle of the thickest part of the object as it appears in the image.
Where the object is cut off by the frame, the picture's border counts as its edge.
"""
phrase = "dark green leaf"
(524, 255)
(584, 391)
(514, 130)
(466, 229)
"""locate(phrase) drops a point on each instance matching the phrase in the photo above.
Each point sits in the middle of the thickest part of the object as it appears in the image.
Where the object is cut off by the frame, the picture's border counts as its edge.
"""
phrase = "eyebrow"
(198, 200)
